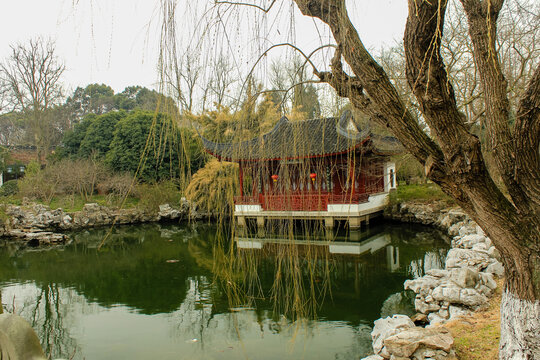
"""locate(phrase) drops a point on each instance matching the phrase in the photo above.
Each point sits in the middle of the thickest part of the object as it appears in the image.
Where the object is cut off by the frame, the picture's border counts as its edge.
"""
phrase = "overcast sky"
(116, 42)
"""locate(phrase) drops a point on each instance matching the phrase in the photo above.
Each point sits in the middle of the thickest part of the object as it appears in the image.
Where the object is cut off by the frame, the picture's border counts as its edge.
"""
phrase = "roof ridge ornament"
(343, 128)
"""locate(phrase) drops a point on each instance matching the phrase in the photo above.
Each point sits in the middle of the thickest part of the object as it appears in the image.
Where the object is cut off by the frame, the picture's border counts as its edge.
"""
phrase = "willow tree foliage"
(447, 147)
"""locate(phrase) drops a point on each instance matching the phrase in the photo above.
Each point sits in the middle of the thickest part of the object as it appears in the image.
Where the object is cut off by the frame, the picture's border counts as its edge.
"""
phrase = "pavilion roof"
(305, 139)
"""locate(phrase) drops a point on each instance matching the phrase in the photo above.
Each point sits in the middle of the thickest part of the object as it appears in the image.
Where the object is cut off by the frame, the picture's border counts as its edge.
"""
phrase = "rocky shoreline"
(462, 287)
(37, 224)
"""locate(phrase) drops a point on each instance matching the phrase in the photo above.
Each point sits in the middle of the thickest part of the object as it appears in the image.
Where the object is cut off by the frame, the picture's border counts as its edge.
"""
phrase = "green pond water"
(181, 292)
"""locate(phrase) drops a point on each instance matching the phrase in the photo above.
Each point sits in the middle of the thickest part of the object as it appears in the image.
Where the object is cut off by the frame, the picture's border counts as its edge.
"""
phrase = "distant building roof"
(304, 139)
(22, 154)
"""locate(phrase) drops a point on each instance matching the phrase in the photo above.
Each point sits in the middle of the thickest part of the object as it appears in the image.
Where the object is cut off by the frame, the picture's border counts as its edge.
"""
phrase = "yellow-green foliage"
(252, 119)
(213, 187)
(409, 170)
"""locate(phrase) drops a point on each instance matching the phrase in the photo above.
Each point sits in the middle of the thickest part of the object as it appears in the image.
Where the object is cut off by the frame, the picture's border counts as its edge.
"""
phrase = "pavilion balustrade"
(300, 202)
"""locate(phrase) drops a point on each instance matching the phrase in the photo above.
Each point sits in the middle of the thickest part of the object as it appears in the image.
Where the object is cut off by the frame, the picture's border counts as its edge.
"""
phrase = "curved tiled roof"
(300, 139)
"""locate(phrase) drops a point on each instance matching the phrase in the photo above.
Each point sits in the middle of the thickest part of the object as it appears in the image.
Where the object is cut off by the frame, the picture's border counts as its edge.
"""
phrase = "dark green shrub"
(153, 195)
(9, 188)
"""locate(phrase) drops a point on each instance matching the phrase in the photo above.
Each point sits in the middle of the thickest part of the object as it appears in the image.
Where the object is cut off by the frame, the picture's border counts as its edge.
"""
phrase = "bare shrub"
(79, 176)
(70, 177)
(117, 184)
(38, 184)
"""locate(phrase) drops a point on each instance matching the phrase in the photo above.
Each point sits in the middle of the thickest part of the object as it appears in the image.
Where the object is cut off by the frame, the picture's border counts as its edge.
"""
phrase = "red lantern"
(274, 177)
(313, 176)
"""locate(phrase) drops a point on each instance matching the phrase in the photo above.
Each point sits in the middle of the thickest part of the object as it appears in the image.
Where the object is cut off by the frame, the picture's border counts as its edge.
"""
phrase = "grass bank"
(420, 193)
(477, 337)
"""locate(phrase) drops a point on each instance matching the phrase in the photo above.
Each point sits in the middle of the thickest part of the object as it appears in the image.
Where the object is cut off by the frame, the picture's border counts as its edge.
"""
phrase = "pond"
(182, 292)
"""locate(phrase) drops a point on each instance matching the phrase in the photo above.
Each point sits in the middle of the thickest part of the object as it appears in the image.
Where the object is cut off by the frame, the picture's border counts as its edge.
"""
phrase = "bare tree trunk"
(520, 328)
(453, 159)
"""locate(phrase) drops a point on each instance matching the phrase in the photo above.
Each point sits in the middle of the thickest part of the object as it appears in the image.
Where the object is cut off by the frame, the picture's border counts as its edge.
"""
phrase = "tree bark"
(520, 329)
(454, 160)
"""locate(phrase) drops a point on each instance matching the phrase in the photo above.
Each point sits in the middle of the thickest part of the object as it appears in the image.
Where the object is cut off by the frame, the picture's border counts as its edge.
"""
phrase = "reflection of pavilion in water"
(359, 275)
(378, 246)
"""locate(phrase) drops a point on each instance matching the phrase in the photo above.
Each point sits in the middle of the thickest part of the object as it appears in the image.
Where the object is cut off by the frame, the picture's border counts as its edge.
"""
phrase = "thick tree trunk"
(520, 328)
(454, 160)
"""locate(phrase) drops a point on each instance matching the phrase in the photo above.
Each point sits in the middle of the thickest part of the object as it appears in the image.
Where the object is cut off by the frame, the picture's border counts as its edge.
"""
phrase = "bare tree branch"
(247, 4)
(375, 82)
(527, 140)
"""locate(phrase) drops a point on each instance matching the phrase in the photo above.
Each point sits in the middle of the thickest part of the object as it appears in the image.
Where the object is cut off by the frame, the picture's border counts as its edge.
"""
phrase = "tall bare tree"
(30, 79)
(184, 80)
(221, 80)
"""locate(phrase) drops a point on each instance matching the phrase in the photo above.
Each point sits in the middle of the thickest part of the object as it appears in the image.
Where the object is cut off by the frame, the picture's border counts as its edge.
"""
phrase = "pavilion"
(323, 169)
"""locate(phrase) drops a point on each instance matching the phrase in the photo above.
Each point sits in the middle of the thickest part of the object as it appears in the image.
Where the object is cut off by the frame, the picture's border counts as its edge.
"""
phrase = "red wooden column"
(351, 174)
(255, 178)
(241, 173)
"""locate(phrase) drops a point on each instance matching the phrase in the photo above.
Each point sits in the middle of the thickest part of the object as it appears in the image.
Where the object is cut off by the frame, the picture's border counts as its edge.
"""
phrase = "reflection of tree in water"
(431, 260)
(52, 331)
(47, 315)
(216, 290)
(194, 314)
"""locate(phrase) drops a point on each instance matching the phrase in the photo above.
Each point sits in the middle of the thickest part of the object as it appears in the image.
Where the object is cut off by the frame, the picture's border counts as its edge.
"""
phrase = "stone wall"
(464, 286)
(39, 224)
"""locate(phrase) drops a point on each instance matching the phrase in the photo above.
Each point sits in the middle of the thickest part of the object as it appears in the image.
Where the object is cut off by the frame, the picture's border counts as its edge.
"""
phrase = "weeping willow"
(264, 149)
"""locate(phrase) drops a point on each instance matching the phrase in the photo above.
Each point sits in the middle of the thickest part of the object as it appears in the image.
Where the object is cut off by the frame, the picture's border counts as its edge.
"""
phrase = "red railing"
(246, 200)
(300, 202)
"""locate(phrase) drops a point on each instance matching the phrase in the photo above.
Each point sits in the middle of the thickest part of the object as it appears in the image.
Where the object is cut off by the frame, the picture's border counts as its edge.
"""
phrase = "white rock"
(472, 298)
(483, 289)
(373, 357)
(91, 207)
(422, 285)
(488, 280)
(424, 307)
(468, 241)
(494, 253)
(450, 294)
(465, 277)
(405, 344)
(436, 319)
(454, 229)
(457, 258)
(438, 273)
(480, 247)
(458, 311)
(168, 212)
(480, 231)
(386, 327)
(495, 268)
(467, 229)
(443, 313)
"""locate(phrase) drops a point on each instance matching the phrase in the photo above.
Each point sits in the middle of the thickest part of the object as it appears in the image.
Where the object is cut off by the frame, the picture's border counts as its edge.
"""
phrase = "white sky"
(116, 42)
